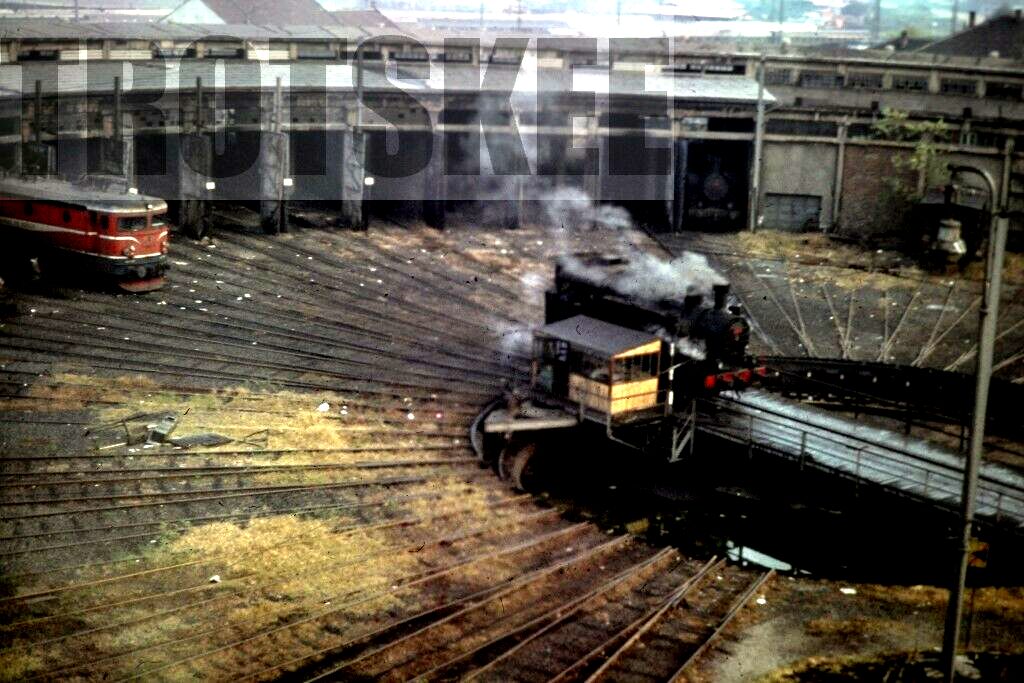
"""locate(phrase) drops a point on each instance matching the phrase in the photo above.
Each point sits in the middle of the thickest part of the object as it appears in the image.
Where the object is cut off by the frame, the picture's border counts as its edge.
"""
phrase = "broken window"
(861, 80)
(778, 76)
(1002, 90)
(909, 83)
(821, 79)
(958, 86)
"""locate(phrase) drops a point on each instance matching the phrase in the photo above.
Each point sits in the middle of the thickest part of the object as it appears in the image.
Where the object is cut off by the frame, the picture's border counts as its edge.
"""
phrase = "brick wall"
(869, 204)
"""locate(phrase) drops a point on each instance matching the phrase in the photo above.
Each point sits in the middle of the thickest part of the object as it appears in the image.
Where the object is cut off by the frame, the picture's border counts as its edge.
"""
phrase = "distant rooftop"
(1003, 35)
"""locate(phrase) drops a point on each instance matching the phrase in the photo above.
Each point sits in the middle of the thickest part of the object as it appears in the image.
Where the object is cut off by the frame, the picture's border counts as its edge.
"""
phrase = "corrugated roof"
(369, 20)
(279, 12)
(596, 336)
(61, 29)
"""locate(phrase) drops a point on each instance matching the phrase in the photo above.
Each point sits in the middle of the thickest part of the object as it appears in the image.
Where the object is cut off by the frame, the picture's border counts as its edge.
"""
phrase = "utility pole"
(987, 318)
(952, 20)
(876, 22)
(754, 204)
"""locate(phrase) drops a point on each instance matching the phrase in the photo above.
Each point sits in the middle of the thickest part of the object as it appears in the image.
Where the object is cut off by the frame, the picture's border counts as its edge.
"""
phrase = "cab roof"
(596, 336)
(64, 192)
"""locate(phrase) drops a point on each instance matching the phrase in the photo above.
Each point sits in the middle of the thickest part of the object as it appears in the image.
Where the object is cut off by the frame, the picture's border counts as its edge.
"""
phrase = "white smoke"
(513, 341)
(645, 275)
(692, 348)
(570, 208)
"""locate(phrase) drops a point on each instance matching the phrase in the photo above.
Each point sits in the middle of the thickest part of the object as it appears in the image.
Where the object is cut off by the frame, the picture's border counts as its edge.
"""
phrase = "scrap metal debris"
(150, 430)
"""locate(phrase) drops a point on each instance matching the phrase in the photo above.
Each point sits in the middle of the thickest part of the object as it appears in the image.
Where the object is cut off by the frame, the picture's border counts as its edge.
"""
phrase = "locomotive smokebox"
(692, 302)
(721, 292)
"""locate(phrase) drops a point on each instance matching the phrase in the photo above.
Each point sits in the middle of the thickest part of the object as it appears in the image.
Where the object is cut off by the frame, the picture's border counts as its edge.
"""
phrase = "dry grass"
(15, 666)
(1005, 603)
(291, 417)
(853, 628)
(857, 267)
(811, 248)
(272, 571)
(1013, 269)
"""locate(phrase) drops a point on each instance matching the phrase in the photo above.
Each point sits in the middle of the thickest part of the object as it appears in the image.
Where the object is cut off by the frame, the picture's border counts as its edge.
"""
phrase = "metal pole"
(986, 342)
(876, 22)
(37, 112)
(199, 104)
(117, 108)
(755, 182)
(837, 184)
(952, 19)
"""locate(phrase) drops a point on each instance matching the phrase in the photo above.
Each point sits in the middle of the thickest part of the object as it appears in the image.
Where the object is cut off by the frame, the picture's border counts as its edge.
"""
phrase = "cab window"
(132, 223)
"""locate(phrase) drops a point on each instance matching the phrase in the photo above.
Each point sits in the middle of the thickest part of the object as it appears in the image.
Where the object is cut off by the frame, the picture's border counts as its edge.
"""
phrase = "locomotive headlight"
(129, 251)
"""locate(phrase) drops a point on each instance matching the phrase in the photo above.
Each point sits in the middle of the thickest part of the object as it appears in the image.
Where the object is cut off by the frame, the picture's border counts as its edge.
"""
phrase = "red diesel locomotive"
(119, 237)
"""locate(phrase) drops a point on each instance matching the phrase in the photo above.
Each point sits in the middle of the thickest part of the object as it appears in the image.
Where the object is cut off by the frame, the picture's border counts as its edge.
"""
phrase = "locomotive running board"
(529, 418)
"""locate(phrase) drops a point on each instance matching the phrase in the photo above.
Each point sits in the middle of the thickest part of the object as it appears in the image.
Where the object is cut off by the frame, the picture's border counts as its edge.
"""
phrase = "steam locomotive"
(102, 234)
(710, 337)
(623, 354)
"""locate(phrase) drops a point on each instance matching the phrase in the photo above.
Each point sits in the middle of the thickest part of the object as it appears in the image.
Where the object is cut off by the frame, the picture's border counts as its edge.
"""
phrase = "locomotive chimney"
(691, 302)
(721, 291)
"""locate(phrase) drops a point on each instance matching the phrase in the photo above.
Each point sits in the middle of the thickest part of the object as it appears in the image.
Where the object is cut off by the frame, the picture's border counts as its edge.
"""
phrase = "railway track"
(363, 541)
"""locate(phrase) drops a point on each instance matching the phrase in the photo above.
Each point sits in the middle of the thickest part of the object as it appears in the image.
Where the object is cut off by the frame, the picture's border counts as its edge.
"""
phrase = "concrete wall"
(800, 168)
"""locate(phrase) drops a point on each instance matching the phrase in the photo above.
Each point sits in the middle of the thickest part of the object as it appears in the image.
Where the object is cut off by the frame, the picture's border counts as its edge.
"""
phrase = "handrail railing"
(860, 458)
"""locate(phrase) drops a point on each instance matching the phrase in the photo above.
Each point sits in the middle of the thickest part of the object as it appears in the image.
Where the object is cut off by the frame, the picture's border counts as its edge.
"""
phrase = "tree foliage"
(924, 159)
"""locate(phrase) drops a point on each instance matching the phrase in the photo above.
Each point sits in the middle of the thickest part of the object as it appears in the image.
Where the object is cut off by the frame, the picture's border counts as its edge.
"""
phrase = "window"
(635, 368)
(820, 79)
(66, 216)
(132, 223)
(861, 80)
(506, 56)
(909, 83)
(29, 209)
(826, 129)
(778, 76)
(1003, 91)
(958, 86)
(414, 55)
(591, 367)
(455, 56)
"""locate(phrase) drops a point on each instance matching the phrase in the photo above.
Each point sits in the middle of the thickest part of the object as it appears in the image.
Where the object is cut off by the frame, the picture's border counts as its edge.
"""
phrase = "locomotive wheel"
(513, 463)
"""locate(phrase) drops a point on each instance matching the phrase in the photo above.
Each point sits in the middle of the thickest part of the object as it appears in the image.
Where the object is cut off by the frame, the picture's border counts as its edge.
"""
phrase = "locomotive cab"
(604, 371)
